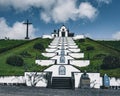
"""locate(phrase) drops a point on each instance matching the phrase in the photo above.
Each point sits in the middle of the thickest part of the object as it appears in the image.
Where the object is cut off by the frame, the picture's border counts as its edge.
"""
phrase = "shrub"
(90, 48)
(39, 46)
(15, 61)
(81, 40)
(111, 62)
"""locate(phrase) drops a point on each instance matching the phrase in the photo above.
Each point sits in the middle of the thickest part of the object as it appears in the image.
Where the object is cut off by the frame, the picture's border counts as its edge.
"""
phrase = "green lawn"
(113, 44)
(96, 57)
(9, 43)
(6, 69)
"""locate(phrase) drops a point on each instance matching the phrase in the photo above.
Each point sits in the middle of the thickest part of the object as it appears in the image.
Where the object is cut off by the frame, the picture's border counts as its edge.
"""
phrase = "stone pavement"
(33, 91)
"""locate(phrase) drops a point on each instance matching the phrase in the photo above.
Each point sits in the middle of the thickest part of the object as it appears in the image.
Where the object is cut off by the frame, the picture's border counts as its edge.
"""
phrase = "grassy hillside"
(96, 56)
(9, 43)
(16, 47)
(6, 69)
(112, 44)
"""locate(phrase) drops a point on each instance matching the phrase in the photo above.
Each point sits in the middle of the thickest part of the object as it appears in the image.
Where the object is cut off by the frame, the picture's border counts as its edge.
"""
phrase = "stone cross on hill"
(27, 23)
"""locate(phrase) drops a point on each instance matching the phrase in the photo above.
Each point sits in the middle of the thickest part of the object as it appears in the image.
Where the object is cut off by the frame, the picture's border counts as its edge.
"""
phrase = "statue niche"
(62, 70)
(84, 81)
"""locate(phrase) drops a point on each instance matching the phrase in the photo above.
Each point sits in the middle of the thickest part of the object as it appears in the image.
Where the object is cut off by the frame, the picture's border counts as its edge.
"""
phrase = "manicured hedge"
(15, 60)
(111, 62)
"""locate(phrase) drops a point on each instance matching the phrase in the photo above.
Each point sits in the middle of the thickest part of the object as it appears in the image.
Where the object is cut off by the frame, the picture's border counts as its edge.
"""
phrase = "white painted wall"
(31, 78)
(53, 35)
(12, 79)
(44, 62)
(114, 82)
(47, 36)
(55, 70)
(79, 37)
(61, 30)
(94, 79)
(65, 44)
(74, 46)
(51, 46)
(49, 54)
(50, 49)
(58, 59)
(75, 50)
(59, 52)
(80, 63)
(77, 55)
(61, 47)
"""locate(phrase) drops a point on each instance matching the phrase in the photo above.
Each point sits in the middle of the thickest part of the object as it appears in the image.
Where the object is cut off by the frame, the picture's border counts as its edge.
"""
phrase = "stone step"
(61, 82)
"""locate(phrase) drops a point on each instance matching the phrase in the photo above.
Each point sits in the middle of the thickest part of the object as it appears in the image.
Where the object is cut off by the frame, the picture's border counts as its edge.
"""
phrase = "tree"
(111, 62)
(15, 61)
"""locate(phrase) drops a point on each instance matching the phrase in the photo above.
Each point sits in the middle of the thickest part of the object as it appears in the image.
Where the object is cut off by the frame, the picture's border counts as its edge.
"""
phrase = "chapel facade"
(62, 32)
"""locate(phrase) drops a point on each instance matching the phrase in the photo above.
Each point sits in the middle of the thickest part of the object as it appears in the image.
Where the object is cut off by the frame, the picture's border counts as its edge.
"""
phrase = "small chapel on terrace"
(62, 32)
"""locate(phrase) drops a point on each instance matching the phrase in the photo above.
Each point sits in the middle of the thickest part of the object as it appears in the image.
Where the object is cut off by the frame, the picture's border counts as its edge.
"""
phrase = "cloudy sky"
(98, 19)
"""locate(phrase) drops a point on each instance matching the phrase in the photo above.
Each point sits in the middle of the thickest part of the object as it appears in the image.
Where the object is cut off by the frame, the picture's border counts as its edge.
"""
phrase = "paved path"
(32, 91)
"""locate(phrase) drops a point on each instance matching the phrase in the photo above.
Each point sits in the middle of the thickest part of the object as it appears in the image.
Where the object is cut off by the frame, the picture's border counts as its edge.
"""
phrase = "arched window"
(62, 70)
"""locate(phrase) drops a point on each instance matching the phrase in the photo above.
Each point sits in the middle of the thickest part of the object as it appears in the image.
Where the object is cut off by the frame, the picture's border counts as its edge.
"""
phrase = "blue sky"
(98, 19)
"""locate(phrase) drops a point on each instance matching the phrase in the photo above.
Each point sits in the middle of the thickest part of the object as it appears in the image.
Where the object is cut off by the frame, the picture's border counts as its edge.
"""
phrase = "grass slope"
(6, 69)
(112, 44)
(9, 43)
(96, 57)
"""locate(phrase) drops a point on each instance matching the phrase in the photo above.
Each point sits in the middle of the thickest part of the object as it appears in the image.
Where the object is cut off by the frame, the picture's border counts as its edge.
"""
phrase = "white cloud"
(26, 4)
(55, 10)
(66, 10)
(17, 31)
(116, 36)
(104, 1)
(86, 10)
(45, 17)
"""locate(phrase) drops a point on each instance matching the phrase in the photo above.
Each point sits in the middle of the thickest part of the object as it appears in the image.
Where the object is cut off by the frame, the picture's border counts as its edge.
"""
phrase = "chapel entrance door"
(63, 34)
